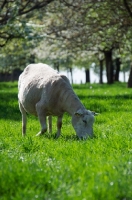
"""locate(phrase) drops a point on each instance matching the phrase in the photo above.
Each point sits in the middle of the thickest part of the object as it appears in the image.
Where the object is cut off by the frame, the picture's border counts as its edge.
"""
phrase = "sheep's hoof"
(39, 133)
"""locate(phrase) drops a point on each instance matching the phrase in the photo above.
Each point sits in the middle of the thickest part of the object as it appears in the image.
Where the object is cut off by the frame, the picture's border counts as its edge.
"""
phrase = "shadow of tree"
(9, 108)
(104, 103)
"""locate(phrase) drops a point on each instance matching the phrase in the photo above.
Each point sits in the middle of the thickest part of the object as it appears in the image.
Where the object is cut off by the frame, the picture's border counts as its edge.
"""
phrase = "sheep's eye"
(85, 121)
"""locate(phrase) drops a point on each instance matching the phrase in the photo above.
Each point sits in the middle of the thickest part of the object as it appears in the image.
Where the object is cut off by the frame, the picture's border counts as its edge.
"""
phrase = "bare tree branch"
(10, 14)
(127, 7)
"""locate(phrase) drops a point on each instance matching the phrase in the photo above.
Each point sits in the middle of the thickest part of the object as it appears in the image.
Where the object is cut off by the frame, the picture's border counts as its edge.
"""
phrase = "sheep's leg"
(59, 125)
(42, 118)
(50, 124)
(24, 119)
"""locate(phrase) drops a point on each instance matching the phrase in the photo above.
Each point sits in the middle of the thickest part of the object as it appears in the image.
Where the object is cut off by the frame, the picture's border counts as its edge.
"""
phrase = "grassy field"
(45, 168)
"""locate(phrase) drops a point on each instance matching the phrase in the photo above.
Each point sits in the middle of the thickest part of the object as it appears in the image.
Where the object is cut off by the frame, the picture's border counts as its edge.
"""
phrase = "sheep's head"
(82, 121)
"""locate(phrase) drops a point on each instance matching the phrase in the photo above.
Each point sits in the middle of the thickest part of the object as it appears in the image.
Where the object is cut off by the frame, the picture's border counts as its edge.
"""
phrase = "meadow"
(67, 168)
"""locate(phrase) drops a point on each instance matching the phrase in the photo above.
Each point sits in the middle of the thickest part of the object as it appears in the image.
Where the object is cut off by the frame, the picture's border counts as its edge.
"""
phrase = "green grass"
(45, 168)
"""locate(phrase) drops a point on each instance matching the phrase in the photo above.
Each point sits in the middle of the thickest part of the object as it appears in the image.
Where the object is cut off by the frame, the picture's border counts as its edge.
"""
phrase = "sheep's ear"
(94, 113)
(79, 112)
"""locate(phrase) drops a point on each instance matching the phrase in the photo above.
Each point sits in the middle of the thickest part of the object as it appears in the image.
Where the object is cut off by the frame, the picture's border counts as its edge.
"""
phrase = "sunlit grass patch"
(67, 168)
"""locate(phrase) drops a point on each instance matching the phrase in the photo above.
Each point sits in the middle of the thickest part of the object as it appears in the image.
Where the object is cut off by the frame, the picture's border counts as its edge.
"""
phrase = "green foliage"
(17, 54)
(16, 17)
(67, 168)
(90, 25)
(57, 31)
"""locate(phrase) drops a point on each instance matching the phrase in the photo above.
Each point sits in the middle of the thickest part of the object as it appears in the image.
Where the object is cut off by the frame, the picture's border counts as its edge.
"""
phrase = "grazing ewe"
(44, 92)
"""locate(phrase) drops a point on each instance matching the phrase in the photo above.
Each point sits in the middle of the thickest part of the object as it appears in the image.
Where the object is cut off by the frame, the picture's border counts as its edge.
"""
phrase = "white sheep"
(44, 92)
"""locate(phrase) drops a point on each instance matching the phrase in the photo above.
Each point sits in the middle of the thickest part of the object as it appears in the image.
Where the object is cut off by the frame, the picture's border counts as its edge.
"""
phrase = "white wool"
(44, 92)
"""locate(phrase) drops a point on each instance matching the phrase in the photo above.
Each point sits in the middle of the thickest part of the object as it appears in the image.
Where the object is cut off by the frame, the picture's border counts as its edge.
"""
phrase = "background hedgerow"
(67, 168)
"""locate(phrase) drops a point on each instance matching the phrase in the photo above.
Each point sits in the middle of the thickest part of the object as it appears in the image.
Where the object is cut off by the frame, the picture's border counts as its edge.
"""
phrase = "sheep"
(43, 92)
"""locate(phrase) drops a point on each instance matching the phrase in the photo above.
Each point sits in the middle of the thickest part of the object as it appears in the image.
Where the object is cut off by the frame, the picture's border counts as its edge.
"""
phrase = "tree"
(130, 79)
(14, 15)
(91, 26)
(117, 68)
(69, 25)
(16, 54)
(85, 60)
(100, 60)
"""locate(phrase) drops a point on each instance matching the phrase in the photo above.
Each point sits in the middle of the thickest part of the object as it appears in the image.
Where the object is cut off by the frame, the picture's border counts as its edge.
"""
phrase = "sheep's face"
(82, 122)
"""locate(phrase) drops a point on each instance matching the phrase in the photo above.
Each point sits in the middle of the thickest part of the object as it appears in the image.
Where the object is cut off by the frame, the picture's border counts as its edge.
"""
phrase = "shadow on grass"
(104, 97)
(8, 85)
(98, 85)
(66, 137)
(9, 108)
(101, 103)
(62, 137)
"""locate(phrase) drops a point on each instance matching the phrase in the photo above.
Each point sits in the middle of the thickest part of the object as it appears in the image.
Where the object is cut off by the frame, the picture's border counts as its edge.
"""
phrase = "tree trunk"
(101, 72)
(109, 66)
(87, 73)
(124, 76)
(56, 66)
(130, 79)
(32, 58)
(117, 70)
(70, 69)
